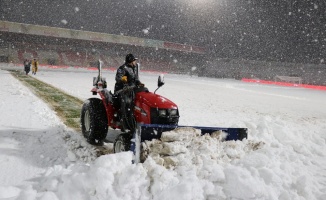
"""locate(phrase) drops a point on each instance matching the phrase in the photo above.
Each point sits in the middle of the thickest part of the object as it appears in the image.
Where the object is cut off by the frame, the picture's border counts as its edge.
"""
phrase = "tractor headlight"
(164, 116)
(173, 112)
(162, 112)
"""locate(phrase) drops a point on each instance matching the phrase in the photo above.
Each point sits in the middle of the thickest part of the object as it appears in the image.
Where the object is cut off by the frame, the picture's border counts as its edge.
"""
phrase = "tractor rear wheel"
(94, 123)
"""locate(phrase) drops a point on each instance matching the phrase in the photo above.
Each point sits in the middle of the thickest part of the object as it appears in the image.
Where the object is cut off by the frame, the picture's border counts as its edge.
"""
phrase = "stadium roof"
(29, 29)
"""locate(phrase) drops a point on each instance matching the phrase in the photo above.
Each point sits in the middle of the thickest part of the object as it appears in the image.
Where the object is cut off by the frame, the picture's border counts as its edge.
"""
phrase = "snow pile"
(109, 177)
(186, 146)
(193, 170)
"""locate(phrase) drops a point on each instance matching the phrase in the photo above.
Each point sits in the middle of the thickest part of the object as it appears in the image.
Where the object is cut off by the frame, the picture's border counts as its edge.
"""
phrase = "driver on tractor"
(127, 75)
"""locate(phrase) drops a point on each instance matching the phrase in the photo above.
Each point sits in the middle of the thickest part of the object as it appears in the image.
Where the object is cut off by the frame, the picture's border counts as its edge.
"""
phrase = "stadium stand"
(65, 47)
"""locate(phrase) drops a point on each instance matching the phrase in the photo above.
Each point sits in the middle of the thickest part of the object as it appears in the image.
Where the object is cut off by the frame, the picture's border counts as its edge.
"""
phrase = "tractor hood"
(155, 101)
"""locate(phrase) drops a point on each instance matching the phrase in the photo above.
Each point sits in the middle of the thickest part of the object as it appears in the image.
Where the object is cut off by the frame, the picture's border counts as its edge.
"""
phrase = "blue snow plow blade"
(154, 131)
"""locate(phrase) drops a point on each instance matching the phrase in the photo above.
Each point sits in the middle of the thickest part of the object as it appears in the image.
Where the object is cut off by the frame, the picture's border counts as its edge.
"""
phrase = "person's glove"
(139, 84)
(124, 79)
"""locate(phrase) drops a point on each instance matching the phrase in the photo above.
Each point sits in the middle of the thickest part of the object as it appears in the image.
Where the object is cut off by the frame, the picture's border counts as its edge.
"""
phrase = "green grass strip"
(66, 106)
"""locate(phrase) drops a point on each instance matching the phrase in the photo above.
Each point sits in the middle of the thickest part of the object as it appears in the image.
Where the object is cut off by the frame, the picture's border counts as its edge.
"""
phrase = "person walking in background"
(34, 66)
(27, 66)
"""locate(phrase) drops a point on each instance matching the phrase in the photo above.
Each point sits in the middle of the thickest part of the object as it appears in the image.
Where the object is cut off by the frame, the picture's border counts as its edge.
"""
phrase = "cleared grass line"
(66, 106)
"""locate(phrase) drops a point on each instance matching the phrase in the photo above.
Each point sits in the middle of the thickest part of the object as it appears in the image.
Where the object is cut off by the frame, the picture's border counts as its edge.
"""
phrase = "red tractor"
(145, 118)
(98, 115)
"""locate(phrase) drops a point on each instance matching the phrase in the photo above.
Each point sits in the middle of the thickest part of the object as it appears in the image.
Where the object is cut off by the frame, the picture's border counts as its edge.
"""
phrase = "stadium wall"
(86, 55)
(261, 70)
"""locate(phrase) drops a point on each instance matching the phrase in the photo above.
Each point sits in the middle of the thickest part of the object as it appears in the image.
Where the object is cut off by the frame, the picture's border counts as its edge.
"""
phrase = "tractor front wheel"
(122, 143)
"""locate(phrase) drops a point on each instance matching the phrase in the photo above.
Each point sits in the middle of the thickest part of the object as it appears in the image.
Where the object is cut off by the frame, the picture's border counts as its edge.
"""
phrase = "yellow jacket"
(35, 63)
